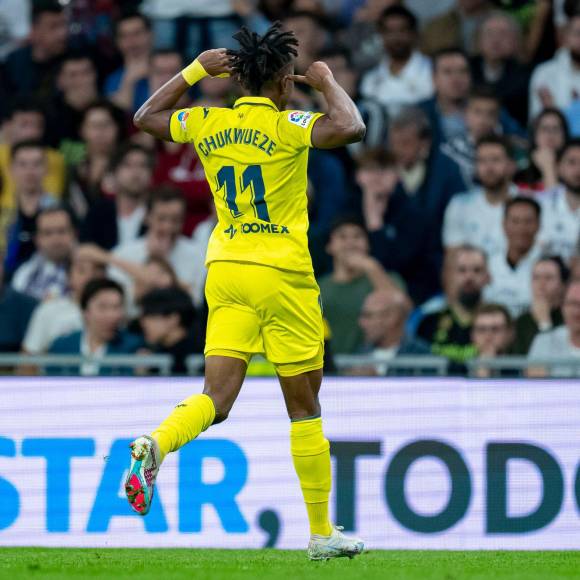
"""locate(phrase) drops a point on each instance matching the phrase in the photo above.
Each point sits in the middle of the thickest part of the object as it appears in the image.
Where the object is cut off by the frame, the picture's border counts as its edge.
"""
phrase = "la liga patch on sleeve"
(300, 118)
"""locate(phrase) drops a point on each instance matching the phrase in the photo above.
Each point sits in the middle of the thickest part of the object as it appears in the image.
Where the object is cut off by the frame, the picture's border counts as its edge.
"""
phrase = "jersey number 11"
(251, 177)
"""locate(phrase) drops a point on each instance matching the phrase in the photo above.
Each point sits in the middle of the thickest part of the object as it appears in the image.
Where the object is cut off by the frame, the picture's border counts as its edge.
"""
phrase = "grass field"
(17, 563)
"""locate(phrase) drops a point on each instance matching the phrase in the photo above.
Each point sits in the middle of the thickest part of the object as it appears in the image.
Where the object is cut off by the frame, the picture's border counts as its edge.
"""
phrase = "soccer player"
(261, 290)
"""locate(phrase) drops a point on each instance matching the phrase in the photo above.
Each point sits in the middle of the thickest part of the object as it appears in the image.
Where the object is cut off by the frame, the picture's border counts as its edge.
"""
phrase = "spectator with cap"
(497, 64)
(131, 169)
(31, 69)
(61, 315)
(26, 122)
(167, 317)
(16, 310)
(103, 127)
(549, 279)
(387, 212)
(448, 330)
(135, 42)
(511, 270)
(556, 83)
(476, 217)
(102, 333)
(28, 169)
(404, 75)
(548, 135)
(561, 205)
(44, 275)
(355, 274)
(383, 319)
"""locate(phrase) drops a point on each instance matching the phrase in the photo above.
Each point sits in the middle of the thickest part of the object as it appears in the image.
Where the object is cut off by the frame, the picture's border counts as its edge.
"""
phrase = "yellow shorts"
(260, 309)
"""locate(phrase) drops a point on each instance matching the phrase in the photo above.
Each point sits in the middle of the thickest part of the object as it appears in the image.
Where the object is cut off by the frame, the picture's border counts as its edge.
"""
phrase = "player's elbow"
(140, 119)
(353, 132)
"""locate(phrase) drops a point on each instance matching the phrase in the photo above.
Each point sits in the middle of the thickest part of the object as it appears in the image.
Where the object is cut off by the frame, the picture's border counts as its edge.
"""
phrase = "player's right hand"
(216, 62)
(315, 75)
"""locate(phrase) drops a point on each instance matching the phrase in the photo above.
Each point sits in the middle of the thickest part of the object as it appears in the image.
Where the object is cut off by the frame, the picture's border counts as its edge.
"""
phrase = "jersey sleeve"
(185, 124)
(295, 127)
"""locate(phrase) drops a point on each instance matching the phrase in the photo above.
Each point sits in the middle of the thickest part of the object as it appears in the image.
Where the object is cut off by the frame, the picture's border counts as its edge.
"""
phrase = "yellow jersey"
(255, 159)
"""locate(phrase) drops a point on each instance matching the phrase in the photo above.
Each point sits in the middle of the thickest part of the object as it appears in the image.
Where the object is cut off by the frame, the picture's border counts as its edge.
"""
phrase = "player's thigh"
(232, 324)
(292, 325)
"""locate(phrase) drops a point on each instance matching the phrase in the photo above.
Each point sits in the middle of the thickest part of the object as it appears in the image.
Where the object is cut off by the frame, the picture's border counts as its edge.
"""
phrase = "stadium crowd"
(451, 230)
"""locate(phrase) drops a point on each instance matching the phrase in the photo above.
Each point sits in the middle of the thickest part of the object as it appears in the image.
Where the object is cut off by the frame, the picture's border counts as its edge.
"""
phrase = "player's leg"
(224, 376)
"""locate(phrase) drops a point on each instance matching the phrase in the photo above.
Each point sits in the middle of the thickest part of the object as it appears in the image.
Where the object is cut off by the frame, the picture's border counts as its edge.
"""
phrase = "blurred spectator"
(492, 333)
(388, 211)
(482, 118)
(32, 68)
(76, 84)
(311, 34)
(549, 134)
(163, 239)
(355, 274)
(428, 176)
(549, 279)
(166, 319)
(458, 27)
(164, 65)
(26, 122)
(134, 40)
(448, 331)
(102, 129)
(15, 312)
(475, 217)
(452, 83)
(511, 271)
(28, 169)
(14, 25)
(563, 341)
(131, 170)
(382, 319)
(556, 83)
(102, 334)
(404, 75)
(61, 316)
(497, 64)
(561, 206)
(44, 275)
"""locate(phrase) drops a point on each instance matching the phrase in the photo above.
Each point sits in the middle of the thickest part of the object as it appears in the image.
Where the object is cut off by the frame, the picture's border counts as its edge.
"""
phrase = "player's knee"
(222, 405)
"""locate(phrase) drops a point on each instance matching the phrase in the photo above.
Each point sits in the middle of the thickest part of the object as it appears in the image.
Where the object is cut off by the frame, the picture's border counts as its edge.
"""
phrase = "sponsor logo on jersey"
(257, 228)
(300, 118)
(182, 117)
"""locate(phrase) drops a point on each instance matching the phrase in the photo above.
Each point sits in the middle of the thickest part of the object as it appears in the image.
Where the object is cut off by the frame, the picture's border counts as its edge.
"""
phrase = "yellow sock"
(311, 456)
(192, 416)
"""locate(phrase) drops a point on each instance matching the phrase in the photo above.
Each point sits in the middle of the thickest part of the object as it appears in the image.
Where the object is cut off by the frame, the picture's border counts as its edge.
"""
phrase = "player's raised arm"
(155, 114)
(342, 124)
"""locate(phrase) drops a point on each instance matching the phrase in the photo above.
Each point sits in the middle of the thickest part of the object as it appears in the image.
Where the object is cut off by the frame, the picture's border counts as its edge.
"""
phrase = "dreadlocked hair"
(261, 57)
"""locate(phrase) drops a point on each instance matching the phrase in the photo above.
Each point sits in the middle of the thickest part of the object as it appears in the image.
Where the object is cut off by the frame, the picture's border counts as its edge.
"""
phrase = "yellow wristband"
(194, 72)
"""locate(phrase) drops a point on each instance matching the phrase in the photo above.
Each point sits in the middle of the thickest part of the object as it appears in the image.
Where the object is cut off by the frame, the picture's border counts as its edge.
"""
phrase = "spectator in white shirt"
(556, 83)
(404, 76)
(564, 341)
(164, 239)
(131, 172)
(44, 275)
(511, 271)
(561, 206)
(63, 315)
(475, 217)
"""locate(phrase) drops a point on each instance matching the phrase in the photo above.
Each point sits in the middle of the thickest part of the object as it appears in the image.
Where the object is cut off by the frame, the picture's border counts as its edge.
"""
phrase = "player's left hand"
(216, 62)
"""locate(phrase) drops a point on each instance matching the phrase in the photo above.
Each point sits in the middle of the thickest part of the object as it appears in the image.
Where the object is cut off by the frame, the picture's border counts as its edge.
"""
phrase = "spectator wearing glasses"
(549, 279)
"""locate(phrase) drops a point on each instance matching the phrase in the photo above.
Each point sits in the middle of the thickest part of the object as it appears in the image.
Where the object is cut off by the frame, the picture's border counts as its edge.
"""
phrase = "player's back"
(255, 159)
